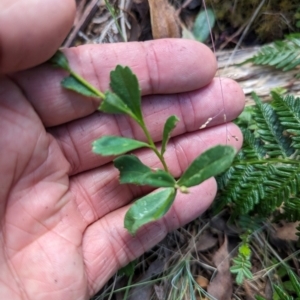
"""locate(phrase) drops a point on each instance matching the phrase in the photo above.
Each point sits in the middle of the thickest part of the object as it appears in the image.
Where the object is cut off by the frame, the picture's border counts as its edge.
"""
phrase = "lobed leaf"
(132, 170)
(149, 208)
(113, 104)
(73, 84)
(125, 84)
(60, 60)
(210, 163)
(169, 126)
(115, 145)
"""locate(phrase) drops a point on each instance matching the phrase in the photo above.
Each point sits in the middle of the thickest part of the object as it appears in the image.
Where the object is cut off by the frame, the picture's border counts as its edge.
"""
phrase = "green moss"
(275, 19)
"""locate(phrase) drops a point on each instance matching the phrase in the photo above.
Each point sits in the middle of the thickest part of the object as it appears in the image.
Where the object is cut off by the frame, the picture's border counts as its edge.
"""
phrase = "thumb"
(32, 30)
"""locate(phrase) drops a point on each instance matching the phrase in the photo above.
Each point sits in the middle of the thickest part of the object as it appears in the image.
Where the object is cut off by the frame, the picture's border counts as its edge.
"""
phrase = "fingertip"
(234, 97)
(188, 207)
(31, 31)
(194, 61)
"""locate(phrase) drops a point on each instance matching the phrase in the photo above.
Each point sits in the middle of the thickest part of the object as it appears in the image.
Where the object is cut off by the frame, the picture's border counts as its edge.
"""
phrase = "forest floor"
(193, 262)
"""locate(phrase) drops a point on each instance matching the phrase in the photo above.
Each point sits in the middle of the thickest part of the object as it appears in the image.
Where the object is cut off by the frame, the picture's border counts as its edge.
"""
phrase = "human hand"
(62, 207)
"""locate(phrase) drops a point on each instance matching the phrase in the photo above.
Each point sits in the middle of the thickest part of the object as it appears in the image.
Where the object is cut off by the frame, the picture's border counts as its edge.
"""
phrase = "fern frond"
(288, 111)
(284, 55)
(253, 147)
(280, 187)
(265, 174)
(271, 131)
(291, 210)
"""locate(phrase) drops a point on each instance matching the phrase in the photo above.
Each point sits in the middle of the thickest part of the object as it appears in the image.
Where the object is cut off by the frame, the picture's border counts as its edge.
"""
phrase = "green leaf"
(210, 163)
(240, 278)
(73, 84)
(128, 270)
(113, 104)
(236, 269)
(115, 145)
(132, 170)
(60, 60)
(149, 208)
(295, 282)
(125, 84)
(244, 250)
(169, 126)
(260, 298)
(281, 293)
(248, 273)
(204, 22)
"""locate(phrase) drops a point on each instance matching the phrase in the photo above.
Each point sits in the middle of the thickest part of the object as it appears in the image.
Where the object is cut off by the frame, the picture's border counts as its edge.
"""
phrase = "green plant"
(291, 286)
(268, 24)
(263, 183)
(114, 13)
(126, 99)
(283, 55)
(203, 24)
(265, 174)
(241, 263)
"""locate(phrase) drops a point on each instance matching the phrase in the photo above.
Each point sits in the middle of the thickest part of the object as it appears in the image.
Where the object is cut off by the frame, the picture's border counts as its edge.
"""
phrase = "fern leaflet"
(266, 173)
(284, 55)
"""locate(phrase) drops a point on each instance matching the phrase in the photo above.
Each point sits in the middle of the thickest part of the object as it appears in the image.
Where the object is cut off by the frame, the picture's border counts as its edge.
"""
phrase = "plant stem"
(87, 85)
(152, 145)
(128, 287)
(112, 12)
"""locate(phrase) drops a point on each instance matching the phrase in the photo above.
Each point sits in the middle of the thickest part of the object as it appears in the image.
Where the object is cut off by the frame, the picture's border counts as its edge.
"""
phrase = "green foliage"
(203, 24)
(149, 208)
(73, 84)
(125, 98)
(295, 281)
(115, 145)
(128, 270)
(168, 128)
(265, 174)
(241, 263)
(132, 170)
(268, 24)
(125, 84)
(114, 11)
(207, 165)
(283, 55)
(59, 60)
(281, 292)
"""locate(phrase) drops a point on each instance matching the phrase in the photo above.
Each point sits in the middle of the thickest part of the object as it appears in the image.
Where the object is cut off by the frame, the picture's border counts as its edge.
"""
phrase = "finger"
(107, 246)
(194, 109)
(31, 31)
(98, 192)
(162, 67)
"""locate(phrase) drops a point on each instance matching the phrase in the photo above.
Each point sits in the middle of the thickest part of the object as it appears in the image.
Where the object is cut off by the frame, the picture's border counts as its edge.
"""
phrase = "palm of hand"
(62, 210)
(42, 225)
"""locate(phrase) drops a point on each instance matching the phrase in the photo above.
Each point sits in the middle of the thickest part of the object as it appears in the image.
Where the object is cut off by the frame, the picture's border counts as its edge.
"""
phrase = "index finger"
(162, 67)
(31, 31)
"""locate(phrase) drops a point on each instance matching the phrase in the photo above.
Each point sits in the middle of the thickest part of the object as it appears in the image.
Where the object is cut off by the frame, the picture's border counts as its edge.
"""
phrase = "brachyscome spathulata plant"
(125, 98)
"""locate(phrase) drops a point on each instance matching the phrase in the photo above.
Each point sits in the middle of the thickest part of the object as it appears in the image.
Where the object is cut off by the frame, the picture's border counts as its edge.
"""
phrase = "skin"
(62, 208)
